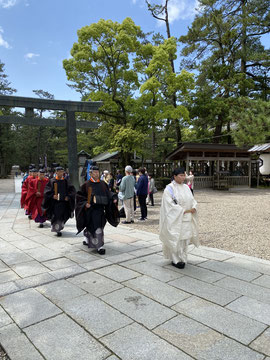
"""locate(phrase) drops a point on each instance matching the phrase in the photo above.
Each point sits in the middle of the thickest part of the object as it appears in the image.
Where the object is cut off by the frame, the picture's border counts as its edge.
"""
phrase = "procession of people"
(52, 197)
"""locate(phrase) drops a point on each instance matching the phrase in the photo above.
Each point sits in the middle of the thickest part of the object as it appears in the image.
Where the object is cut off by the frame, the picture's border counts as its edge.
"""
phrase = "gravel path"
(235, 220)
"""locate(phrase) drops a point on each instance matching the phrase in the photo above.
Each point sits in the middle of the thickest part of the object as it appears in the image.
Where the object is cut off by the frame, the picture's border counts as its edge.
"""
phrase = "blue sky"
(36, 35)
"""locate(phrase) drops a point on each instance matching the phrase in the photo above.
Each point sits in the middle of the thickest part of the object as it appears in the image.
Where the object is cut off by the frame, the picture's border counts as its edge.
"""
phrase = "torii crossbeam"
(70, 107)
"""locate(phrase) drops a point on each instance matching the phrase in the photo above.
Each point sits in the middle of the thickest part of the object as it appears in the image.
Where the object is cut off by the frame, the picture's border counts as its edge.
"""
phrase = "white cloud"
(134, 1)
(30, 56)
(182, 9)
(7, 3)
(178, 9)
(3, 42)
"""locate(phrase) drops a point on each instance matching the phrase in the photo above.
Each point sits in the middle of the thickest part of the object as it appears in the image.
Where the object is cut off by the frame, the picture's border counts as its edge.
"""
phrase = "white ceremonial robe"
(176, 229)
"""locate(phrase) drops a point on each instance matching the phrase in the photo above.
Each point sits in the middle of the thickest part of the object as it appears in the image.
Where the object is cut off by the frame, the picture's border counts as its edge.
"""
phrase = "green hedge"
(162, 182)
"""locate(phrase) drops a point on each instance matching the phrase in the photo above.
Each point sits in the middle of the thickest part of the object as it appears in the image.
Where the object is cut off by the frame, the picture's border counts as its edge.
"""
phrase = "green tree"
(160, 12)
(160, 85)
(252, 119)
(101, 68)
(223, 45)
(7, 143)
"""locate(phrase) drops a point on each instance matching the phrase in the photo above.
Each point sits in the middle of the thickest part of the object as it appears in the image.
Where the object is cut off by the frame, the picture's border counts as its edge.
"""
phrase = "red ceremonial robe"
(25, 186)
(33, 200)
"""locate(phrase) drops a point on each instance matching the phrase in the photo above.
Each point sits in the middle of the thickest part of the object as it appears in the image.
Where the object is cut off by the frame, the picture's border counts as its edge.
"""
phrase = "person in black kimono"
(59, 201)
(95, 204)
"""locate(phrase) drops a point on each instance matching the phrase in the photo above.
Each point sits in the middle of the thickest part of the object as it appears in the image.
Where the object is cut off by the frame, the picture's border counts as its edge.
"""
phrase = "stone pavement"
(59, 300)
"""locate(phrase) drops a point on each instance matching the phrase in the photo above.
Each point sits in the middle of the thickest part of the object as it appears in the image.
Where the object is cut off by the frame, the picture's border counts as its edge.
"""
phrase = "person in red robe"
(25, 188)
(35, 197)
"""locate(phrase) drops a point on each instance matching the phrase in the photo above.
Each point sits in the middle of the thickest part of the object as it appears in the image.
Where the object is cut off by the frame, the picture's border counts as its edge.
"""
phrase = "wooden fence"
(201, 182)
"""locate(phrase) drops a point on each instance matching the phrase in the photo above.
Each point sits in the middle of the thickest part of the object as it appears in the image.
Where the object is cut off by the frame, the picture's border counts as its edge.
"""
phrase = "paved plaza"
(59, 300)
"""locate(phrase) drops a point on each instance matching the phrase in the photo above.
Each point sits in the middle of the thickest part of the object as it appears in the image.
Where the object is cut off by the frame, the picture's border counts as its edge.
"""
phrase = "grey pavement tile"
(143, 252)
(119, 258)
(134, 342)
(113, 357)
(67, 272)
(8, 275)
(60, 291)
(25, 244)
(251, 308)
(8, 288)
(42, 253)
(109, 252)
(96, 264)
(120, 247)
(227, 322)
(143, 235)
(35, 280)
(157, 290)
(95, 316)
(16, 344)
(95, 284)
(3, 266)
(154, 259)
(230, 270)
(140, 308)
(118, 273)
(244, 288)
(29, 269)
(60, 263)
(134, 261)
(60, 338)
(14, 257)
(7, 219)
(262, 343)
(13, 237)
(28, 233)
(194, 259)
(264, 281)
(207, 291)
(199, 273)
(155, 271)
(209, 254)
(201, 342)
(81, 257)
(120, 237)
(256, 266)
(60, 247)
(43, 239)
(74, 240)
(28, 307)
(141, 244)
(5, 319)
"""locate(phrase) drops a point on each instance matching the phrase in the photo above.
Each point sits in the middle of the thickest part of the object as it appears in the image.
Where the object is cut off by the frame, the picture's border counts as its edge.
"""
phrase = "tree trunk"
(153, 144)
(176, 122)
(243, 48)
(218, 130)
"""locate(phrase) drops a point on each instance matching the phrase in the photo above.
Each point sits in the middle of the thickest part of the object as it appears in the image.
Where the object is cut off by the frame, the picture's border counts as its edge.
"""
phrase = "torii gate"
(70, 107)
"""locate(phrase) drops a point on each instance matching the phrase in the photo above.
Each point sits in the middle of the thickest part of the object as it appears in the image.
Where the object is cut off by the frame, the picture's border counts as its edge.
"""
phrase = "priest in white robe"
(178, 220)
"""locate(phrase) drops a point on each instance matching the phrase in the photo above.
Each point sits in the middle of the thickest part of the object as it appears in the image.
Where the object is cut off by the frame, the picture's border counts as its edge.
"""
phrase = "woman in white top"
(190, 181)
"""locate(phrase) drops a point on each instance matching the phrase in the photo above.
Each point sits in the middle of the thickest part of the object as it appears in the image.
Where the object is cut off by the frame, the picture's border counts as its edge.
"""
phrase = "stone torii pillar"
(70, 107)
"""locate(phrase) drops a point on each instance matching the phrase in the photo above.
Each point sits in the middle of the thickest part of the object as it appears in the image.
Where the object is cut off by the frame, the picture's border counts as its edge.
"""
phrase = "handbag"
(120, 196)
(154, 190)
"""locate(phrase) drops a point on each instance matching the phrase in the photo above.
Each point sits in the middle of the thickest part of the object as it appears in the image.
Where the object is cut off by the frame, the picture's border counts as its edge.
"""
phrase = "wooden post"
(72, 149)
(249, 173)
(187, 163)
